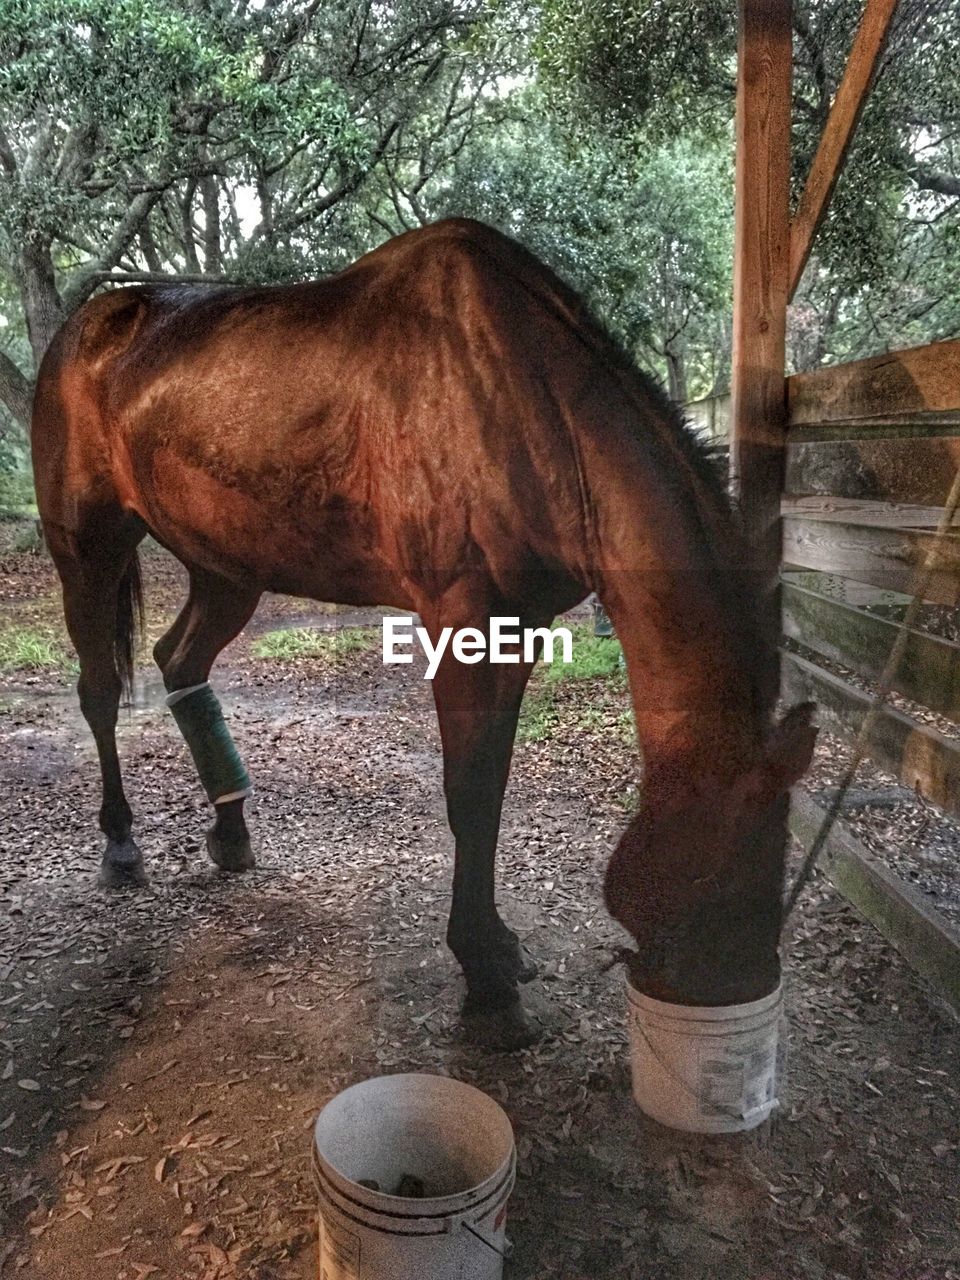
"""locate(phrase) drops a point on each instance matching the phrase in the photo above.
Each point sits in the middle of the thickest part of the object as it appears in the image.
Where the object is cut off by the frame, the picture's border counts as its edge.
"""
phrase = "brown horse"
(442, 428)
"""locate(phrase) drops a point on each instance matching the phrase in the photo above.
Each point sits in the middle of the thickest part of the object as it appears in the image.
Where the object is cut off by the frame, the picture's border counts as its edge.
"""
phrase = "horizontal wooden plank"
(943, 426)
(905, 471)
(899, 384)
(921, 757)
(929, 943)
(887, 558)
(859, 594)
(883, 515)
(929, 672)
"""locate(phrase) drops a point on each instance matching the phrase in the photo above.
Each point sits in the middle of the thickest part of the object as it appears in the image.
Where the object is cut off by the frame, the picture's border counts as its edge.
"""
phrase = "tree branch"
(160, 277)
(84, 282)
(7, 158)
(343, 189)
(16, 390)
(945, 184)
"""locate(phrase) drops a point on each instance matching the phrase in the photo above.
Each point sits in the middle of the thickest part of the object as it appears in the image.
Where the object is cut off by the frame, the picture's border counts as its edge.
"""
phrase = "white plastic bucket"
(705, 1070)
(451, 1137)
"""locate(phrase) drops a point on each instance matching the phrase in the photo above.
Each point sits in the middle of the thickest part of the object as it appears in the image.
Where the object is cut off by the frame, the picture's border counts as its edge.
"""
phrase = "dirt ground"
(163, 1054)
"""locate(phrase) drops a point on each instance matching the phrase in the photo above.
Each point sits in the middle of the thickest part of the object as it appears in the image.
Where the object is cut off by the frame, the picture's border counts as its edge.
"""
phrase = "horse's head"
(697, 877)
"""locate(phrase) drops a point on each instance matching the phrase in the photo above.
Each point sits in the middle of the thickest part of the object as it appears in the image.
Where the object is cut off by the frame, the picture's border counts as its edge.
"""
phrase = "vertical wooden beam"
(839, 130)
(760, 280)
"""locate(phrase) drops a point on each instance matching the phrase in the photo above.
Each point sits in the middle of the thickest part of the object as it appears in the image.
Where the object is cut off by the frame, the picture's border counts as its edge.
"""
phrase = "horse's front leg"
(478, 706)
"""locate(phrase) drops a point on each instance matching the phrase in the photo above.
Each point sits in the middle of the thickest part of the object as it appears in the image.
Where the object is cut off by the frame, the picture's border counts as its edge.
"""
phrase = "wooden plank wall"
(872, 451)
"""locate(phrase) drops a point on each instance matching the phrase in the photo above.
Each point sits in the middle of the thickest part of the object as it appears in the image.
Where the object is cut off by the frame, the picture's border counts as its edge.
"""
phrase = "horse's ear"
(789, 748)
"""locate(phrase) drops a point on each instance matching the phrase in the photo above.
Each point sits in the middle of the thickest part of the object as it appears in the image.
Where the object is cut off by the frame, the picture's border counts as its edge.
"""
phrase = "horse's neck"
(695, 707)
(677, 602)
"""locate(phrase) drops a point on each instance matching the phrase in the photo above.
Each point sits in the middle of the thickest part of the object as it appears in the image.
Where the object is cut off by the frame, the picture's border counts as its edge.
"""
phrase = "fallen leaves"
(256, 999)
(120, 1163)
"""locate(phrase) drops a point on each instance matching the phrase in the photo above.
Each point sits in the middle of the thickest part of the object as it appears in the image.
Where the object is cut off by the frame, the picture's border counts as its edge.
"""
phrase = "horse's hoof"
(503, 1030)
(122, 866)
(230, 855)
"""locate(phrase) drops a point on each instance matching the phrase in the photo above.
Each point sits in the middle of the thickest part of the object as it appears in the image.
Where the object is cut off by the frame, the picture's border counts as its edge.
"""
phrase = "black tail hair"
(129, 622)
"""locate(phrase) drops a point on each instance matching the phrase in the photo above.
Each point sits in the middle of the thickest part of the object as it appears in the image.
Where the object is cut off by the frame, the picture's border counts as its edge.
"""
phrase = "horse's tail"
(129, 621)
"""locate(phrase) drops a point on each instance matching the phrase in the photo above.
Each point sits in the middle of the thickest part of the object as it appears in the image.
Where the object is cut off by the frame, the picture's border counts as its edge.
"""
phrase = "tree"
(144, 139)
(647, 238)
(648, 70)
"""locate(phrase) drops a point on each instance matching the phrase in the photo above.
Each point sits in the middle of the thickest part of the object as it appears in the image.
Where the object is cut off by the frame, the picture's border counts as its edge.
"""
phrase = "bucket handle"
(505, 1252)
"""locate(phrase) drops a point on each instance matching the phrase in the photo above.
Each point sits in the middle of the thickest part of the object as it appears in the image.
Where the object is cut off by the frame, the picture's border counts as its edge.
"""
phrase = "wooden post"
(844, 116)
(760, 281)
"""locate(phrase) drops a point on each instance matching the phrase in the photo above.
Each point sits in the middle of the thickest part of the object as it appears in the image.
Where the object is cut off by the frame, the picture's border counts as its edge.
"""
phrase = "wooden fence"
(872, 451)
(873, 448)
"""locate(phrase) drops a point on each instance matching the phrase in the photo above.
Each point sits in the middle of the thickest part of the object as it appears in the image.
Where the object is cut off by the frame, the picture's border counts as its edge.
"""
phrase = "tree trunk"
(676, 375)
(186, 216)
(42, 305)
(722, 356)
(148, 247)
(825, 329)
(210, 192)
(44, 312)
(16, 390)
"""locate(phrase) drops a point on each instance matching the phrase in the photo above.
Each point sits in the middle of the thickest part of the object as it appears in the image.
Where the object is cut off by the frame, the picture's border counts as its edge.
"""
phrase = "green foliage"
(620, 63)
(279, 141)
(539, 716)
(645, 235)
(884, 272)
(27, 540)
(32, 648)
(147, 137)
(308, 642)
(105, 99)
(16, 492)
(594, 658)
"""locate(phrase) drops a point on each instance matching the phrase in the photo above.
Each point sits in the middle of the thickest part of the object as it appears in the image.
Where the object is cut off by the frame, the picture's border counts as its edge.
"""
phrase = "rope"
(921, 584)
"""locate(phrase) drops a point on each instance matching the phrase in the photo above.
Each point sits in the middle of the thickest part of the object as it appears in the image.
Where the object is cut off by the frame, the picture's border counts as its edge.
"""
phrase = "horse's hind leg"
(216, 611)
(94, 573)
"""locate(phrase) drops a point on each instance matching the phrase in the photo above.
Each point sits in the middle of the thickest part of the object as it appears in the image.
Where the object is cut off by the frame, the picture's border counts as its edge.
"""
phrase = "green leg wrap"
(200, 719)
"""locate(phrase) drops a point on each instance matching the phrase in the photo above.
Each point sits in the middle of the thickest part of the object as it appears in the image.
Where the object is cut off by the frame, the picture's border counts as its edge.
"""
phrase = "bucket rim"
(424, 1222)
(437, 1207)
(702, 1012)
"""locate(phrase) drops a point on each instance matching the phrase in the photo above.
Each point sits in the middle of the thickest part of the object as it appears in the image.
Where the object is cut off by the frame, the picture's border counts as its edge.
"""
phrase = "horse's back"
(399, 410)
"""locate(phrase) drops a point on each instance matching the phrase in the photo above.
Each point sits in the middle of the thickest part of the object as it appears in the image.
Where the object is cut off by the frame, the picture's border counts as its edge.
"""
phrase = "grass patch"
(28, 540)
(538, 716)
(33, 649)
(543, 708)
(629, 799)
(594, 657)
(626, 728)
(310, 642)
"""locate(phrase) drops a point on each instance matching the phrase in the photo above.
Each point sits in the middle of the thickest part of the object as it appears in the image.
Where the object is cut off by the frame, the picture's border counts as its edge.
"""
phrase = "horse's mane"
(705, 458)
(718, 513)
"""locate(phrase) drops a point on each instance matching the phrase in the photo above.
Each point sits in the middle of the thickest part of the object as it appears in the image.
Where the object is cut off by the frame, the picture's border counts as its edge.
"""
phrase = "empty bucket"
(447, 1139)
(702, 1069)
